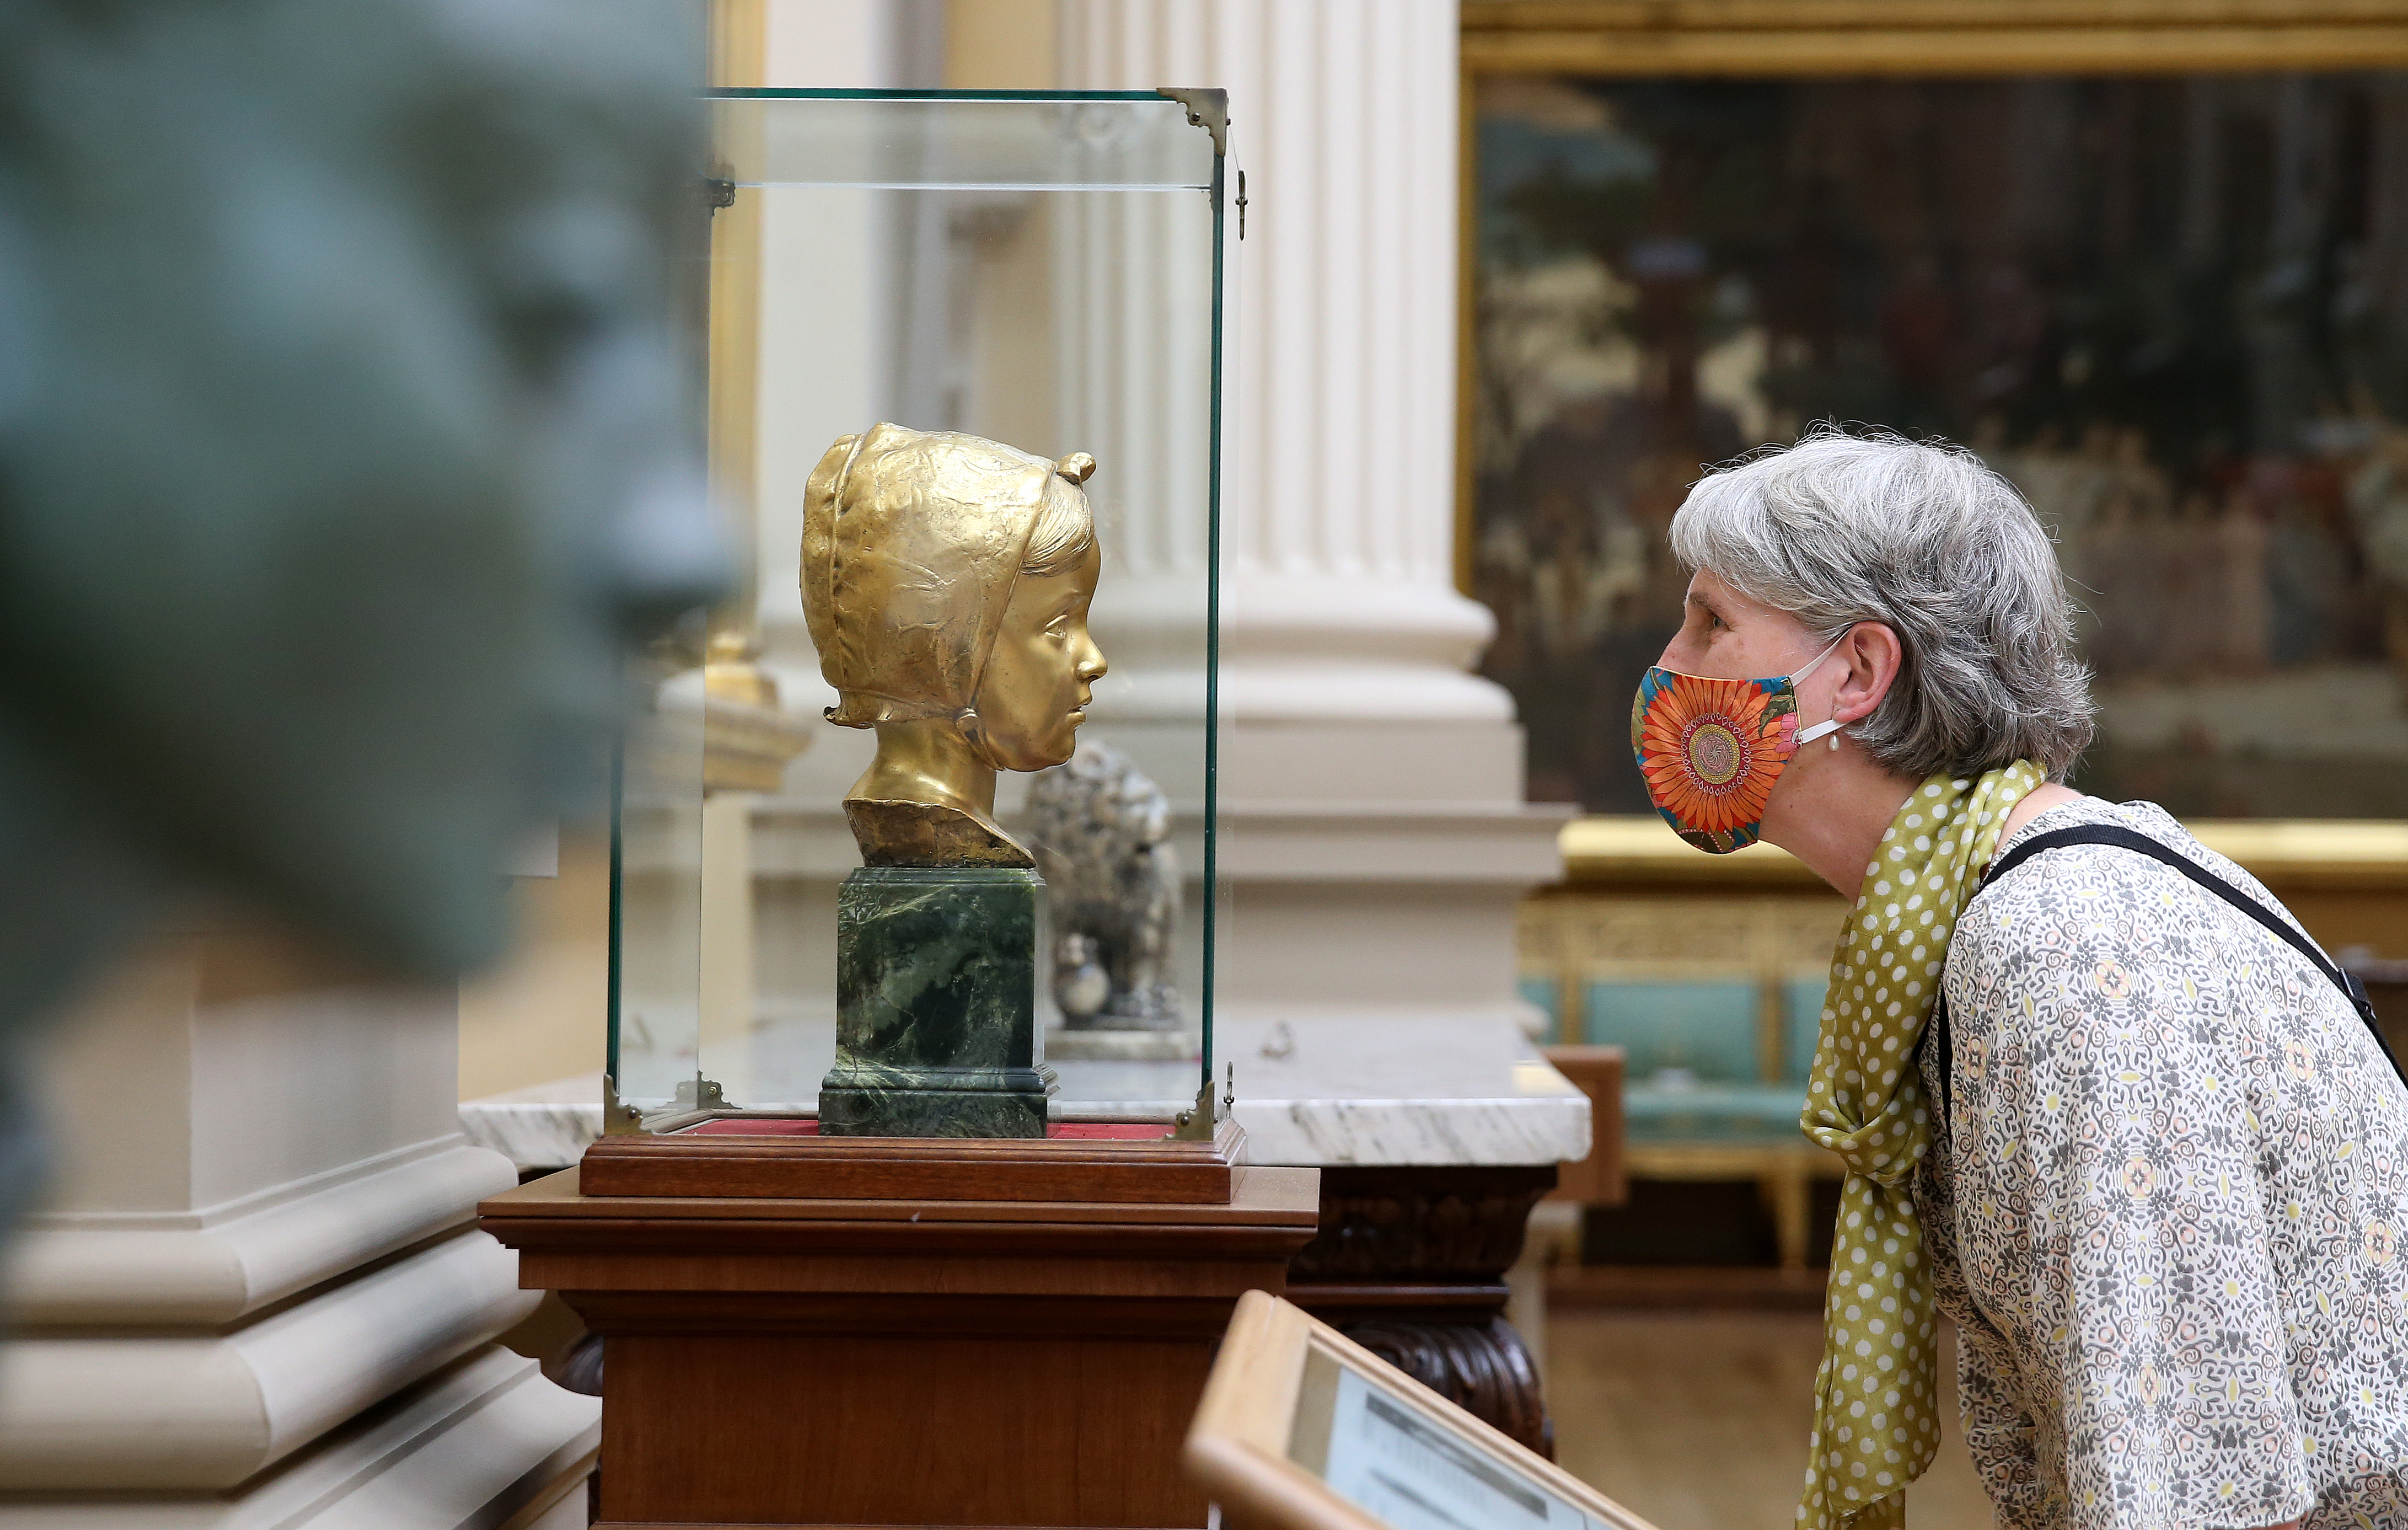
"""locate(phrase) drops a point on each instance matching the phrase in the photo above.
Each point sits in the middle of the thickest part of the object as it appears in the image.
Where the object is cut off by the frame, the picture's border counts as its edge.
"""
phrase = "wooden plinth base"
(893, 1363)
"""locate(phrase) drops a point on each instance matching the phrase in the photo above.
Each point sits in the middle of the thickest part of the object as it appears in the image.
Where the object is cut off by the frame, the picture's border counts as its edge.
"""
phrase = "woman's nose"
(1091, 663)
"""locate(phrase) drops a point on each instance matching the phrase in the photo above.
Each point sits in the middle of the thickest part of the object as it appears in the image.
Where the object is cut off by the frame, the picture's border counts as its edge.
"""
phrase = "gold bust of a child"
(946, 579)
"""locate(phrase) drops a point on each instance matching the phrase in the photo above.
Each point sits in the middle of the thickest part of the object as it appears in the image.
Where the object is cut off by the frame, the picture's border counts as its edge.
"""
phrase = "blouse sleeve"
(2111, 1218)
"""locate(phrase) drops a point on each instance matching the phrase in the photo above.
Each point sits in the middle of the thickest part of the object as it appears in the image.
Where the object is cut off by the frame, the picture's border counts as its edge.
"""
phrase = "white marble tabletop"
(1314, 1086)
(547, 1126)
(1330, 1086)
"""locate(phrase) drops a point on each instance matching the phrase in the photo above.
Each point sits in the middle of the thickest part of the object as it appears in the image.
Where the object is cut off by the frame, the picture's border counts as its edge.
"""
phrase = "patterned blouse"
(2165, 1211)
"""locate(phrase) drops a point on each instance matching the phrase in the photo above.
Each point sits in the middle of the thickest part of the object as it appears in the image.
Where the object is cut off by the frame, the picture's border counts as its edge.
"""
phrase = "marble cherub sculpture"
(1102, 833)
(946, 579)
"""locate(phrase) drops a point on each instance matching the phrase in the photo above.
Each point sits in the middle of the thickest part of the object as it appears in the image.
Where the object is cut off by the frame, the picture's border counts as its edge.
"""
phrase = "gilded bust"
(946, 579)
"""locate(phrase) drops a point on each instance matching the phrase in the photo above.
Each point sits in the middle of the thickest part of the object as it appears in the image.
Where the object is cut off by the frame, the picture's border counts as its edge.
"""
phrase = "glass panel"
(1115, 143)
(656, 895)
(1041, 272)
(2170, 309)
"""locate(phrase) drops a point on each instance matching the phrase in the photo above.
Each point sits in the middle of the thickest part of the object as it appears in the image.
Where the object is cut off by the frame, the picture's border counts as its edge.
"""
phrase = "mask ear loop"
(1831, 726)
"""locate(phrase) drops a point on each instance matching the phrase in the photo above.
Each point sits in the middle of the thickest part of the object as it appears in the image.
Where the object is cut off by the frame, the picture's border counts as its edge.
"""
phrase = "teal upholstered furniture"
(1703, 1066)
(1715, 1002)
(1708, 971)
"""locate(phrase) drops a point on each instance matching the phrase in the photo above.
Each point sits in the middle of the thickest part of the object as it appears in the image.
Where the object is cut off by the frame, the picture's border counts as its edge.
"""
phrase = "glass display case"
(1050, 271)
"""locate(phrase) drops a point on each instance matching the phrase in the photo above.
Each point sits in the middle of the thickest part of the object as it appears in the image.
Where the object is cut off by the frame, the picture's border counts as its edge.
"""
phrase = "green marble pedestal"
(936, 995)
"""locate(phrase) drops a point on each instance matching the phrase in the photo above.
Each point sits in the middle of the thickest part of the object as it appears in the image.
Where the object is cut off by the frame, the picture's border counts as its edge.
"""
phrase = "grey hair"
(1927, 540)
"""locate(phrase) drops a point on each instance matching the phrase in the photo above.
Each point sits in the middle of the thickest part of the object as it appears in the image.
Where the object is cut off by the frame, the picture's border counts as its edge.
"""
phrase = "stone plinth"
(937, 1005)
(255, 1296)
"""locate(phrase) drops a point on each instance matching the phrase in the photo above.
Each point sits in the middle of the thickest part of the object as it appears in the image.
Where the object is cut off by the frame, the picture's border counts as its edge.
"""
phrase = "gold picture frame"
(1299, 1425)
(1808, 39)
(1928, 37)
(2355, 895)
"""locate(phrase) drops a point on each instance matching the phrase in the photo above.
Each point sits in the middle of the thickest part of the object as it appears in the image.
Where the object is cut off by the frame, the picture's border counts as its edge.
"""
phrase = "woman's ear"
(1873, 656)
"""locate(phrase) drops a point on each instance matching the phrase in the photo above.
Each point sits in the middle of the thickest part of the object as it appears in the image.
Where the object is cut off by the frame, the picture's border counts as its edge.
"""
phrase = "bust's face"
(1032, 696)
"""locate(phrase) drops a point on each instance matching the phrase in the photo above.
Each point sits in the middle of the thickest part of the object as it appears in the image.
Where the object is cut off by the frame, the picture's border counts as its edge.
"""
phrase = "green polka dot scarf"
(1875, 1424)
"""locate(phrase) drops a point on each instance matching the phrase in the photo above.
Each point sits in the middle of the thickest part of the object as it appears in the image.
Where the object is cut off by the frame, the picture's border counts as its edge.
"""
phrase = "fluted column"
(1372, 837)
(1337, 523)
(1372, 827)
(1133, 387)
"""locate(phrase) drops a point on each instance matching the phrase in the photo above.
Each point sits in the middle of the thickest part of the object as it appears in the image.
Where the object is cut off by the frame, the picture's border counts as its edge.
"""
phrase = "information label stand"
(1303, 1429)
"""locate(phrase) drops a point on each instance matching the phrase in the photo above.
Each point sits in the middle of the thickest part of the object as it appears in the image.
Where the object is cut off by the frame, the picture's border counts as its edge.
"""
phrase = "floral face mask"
(1710, 750)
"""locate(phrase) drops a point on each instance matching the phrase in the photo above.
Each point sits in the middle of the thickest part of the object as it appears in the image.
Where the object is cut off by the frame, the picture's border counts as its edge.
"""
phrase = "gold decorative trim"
(1926, 54)
(1980, 15)
(1467, 331)
(1825, 37)
(2305, 854)
(1644, 851)
(2288, 855)
(739, 38)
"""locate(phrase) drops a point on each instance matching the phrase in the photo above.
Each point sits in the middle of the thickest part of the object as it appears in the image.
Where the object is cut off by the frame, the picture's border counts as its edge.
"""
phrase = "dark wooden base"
(892, 1363)
(1410, 1263)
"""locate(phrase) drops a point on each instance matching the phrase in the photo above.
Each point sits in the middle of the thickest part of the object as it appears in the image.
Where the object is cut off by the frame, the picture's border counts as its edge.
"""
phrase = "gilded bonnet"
(912, 541)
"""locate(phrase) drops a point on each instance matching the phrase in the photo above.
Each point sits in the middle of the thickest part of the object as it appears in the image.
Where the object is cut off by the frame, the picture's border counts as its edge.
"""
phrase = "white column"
(1337, 601)
(820, 361)
(1373, 833)
(1133, 389)
(262, 1227)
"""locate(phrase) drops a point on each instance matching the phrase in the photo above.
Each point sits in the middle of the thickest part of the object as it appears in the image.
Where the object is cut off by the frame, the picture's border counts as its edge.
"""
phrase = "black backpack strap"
(2127, 838)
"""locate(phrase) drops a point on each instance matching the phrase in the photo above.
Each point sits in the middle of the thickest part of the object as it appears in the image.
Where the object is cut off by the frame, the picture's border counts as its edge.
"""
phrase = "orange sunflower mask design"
(1710, 750)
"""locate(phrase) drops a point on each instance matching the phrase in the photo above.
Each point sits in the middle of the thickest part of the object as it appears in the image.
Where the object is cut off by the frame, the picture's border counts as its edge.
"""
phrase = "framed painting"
(2148, 258)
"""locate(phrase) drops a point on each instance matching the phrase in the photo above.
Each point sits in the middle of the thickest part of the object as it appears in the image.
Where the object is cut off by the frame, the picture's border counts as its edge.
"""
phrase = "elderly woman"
(2101, 1098)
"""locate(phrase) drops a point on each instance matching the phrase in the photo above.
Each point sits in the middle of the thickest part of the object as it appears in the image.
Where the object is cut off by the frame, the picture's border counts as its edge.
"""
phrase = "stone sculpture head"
(344, 443)
(344, 438)
(946, 579)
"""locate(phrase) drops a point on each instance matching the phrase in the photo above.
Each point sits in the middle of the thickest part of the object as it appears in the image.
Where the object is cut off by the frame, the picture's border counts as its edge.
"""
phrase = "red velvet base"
(785, 1158)
(793, 1126)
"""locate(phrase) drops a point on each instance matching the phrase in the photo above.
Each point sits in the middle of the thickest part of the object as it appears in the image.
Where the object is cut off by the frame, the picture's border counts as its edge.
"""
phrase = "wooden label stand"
(1303, 1429)
(790, 1342)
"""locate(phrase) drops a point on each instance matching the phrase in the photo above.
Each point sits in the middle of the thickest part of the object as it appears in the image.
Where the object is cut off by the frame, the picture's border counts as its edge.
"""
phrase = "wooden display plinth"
(881, 1361)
